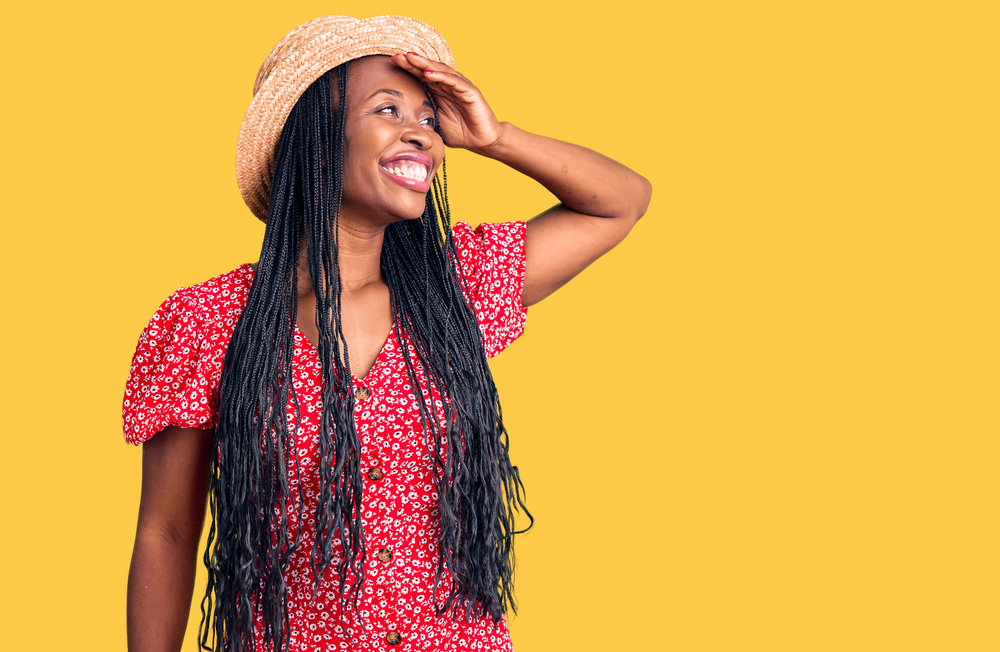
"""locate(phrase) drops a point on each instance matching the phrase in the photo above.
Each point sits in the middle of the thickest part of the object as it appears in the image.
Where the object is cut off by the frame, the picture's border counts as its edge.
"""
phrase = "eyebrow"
(395, 93)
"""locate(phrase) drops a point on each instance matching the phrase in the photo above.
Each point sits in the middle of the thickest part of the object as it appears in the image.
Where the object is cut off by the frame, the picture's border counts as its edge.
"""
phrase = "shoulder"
(178, 360)
(497, 234)
(491, 262)
(216, 301)
(199, 313)
(489, 244)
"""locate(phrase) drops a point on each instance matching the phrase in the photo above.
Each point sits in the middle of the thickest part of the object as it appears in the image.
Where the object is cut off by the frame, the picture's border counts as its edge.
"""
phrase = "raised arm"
(600, 199)
(175, 477)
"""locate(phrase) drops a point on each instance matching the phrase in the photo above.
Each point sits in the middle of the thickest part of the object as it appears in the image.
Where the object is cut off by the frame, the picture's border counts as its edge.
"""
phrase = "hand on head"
(466, 118)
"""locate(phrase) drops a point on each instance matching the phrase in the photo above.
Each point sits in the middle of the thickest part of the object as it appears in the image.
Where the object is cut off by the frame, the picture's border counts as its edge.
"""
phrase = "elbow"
(641, 197)
(183, 537)
(645, 196)
(629, 203)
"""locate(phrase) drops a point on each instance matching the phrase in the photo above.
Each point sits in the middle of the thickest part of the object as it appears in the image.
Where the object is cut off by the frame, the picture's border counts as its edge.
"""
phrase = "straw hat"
(299, 59)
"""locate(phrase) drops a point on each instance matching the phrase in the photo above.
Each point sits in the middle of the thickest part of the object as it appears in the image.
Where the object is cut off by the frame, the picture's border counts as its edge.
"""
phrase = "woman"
(377, 464)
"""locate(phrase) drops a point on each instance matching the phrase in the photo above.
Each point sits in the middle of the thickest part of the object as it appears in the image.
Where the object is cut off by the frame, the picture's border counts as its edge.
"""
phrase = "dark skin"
(387, 115)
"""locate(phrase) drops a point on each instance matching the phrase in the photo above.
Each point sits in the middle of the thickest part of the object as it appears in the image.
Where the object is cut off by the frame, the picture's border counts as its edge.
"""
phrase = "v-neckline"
(378, 358)
(315, 351)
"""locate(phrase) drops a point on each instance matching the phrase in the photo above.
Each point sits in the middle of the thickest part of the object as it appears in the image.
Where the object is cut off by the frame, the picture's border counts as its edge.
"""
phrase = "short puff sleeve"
(168, 384)
(492, 260)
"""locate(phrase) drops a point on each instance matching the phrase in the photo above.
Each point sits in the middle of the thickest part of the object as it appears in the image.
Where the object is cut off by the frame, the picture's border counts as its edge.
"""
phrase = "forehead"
(370, 74)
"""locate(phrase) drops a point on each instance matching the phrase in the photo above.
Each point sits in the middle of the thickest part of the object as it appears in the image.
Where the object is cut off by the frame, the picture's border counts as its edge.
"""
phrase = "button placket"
(361, 394)
(373, 496)
(386, 555)
(379, 490)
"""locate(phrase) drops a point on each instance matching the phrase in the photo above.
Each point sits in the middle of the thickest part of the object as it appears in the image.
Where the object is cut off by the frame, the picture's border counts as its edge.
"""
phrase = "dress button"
(384, 554)
(362, 393)
(393, 638)
(375, 473)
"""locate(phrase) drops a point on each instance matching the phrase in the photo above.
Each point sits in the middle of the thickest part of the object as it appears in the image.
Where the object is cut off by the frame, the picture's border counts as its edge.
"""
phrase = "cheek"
(354, 177)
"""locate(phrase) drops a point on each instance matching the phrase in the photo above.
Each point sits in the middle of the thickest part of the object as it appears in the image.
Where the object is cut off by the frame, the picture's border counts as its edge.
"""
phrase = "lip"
(417, 157)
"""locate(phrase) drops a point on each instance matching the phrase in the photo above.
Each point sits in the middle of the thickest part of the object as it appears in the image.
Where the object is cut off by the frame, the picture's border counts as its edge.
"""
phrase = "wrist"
(494, 149)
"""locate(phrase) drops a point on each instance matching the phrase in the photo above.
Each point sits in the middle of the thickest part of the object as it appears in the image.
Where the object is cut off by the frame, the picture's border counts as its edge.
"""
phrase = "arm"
(601, 202)
(600, 199)
(175, 478)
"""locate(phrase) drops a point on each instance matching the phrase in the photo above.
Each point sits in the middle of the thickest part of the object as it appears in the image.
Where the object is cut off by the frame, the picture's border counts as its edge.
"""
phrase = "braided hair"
(251, 496)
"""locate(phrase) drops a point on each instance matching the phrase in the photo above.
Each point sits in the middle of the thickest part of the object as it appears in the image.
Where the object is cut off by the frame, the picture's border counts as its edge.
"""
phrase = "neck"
(360, 258)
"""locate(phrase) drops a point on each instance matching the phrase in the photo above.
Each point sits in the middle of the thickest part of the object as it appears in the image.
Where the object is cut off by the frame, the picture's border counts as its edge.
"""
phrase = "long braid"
(338, 512)
(479, 490)
(249, 476)
(250, 491)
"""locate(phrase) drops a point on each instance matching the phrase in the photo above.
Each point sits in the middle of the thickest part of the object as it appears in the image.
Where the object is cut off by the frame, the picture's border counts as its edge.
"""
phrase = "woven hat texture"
(299, 59)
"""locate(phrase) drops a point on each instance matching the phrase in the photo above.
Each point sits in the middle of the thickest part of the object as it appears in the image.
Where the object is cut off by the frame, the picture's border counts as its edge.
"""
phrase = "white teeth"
(414, 171)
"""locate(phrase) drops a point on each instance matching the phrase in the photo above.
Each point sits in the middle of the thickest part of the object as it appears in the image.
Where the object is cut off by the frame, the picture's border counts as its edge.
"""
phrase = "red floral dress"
(173, 381)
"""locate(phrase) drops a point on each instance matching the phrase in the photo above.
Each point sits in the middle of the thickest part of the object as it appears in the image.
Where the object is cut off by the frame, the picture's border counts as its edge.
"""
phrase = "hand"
(466, 119)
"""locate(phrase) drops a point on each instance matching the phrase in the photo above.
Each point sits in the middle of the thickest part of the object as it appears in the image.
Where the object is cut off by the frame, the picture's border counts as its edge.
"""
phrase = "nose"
(417, 135)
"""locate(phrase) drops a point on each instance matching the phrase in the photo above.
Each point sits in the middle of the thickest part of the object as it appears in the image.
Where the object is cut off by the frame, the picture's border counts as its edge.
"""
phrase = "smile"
(409, 169)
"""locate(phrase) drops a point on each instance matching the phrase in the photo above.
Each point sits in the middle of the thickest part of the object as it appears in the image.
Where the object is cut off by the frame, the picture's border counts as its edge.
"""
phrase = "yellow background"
(767, 421)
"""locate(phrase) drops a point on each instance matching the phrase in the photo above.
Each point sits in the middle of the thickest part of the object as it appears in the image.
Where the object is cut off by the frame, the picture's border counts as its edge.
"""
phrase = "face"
(391, 150)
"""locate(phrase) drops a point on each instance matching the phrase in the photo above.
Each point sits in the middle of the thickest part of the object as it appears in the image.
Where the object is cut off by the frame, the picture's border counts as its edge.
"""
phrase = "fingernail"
(430, 72)
(414, 54)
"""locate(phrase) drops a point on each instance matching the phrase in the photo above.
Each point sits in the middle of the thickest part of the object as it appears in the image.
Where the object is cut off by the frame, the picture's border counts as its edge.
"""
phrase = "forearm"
(160, 586)
(582, 179)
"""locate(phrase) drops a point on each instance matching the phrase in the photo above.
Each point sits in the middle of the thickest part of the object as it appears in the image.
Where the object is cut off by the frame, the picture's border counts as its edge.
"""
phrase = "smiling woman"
(390, 132)
(334, 399)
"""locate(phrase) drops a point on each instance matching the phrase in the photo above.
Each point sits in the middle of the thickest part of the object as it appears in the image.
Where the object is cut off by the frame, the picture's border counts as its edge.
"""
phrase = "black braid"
(479, 490)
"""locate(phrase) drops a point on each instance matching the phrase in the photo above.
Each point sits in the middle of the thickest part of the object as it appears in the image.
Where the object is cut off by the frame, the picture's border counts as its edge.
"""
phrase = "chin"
(381, 213)
(413, 212)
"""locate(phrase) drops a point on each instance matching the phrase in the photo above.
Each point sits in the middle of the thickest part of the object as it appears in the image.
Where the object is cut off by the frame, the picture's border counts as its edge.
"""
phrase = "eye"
(388, 110)
(428, 121)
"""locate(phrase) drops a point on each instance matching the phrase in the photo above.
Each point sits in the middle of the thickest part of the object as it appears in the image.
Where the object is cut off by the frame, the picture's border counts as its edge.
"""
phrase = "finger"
(407, 63)
(444, 79)
(425, 63)
(413, 62)
(438, 76)
(452, 85)
(401, 60)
